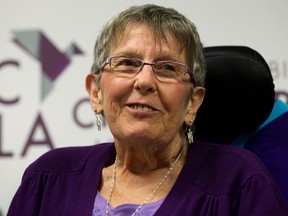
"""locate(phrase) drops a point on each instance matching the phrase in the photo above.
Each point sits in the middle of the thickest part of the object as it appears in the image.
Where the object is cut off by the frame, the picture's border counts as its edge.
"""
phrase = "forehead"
(139, 36)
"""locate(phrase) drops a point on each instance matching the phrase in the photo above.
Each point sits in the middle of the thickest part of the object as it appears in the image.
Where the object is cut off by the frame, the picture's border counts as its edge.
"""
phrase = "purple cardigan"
(216, 180)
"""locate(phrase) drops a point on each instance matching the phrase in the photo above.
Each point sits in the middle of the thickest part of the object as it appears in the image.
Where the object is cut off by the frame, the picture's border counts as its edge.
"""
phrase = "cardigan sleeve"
(61, 182)
(260, 196)
(223, 181)
(50, 184)
(45, 194)
(28, 198)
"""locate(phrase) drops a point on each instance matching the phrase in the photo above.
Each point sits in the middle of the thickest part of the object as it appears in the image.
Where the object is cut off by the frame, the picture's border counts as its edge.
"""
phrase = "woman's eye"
(128, 62)
(168, 67)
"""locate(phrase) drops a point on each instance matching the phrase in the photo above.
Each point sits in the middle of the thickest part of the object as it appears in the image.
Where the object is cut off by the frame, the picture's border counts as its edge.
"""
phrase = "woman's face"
(141, 108)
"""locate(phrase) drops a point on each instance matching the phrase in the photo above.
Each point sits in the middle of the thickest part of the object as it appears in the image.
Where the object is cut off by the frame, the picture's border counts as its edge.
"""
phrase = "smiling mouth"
(141, 107)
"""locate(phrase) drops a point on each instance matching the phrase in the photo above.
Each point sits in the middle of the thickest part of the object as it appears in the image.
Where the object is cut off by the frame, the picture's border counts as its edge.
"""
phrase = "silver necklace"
(112, 185)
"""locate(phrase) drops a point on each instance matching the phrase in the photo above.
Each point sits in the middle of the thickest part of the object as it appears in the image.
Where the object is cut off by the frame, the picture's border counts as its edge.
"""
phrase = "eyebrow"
(161, 57)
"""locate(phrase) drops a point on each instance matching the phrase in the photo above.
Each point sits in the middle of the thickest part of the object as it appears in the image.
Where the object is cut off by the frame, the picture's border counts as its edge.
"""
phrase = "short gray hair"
(161, 20)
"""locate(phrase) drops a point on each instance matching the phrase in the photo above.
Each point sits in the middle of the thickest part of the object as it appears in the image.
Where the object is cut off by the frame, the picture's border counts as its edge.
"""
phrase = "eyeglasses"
(163, 69)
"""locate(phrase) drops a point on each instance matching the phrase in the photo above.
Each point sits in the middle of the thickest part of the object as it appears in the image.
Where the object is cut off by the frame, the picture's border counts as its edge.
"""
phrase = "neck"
(156, 189)
(142, 160)
(135, 174)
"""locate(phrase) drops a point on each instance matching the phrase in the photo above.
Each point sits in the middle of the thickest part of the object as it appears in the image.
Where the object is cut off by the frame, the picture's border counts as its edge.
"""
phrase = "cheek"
(177, 97)
(184, 104)
(113, 90)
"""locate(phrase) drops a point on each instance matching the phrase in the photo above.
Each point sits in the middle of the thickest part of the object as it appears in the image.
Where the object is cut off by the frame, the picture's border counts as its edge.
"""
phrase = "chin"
(140, 135)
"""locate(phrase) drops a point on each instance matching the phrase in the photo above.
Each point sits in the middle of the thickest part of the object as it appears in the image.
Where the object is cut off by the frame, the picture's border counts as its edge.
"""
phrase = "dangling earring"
(189, 133)
(98, 120)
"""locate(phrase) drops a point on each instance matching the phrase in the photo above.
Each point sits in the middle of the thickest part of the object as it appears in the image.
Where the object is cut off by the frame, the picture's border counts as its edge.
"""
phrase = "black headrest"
(239, 94)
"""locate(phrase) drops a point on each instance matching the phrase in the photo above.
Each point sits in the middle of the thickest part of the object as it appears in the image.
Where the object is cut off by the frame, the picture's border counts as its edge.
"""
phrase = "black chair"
(240, 108)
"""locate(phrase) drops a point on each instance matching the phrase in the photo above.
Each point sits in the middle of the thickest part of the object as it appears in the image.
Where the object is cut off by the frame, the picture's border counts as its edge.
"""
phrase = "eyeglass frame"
(188, 70)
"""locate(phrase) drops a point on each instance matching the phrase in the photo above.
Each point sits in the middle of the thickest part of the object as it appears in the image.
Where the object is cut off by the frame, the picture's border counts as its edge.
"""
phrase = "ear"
(194, 104)
(94, 93)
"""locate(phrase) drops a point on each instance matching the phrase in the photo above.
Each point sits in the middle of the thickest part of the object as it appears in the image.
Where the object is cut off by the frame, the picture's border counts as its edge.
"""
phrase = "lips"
(141, 107)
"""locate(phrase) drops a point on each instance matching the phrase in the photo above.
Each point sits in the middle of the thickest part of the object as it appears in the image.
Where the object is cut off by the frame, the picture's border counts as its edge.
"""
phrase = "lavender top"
(99, 209)
(216, 180)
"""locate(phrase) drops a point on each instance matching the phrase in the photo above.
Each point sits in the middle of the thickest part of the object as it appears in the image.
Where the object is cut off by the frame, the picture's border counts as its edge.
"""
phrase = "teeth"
(140, 107)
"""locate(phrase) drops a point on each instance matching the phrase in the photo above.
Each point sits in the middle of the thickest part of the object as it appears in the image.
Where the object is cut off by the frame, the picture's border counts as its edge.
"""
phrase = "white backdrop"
(31, 124)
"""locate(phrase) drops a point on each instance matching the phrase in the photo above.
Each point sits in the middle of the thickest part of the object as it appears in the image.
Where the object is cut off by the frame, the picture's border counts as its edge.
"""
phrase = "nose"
(145, 80)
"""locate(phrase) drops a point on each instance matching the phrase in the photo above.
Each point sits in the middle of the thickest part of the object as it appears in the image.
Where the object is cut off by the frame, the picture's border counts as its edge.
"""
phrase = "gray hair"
(161, 20)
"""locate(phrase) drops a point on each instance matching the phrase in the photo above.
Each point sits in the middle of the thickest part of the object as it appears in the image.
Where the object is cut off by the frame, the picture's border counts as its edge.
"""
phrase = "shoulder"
(68, 159)
(230, 157)
(226, 169)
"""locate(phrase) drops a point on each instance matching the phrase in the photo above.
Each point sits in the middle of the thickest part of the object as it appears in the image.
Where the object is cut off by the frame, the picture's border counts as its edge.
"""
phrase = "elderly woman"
(147, 80)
